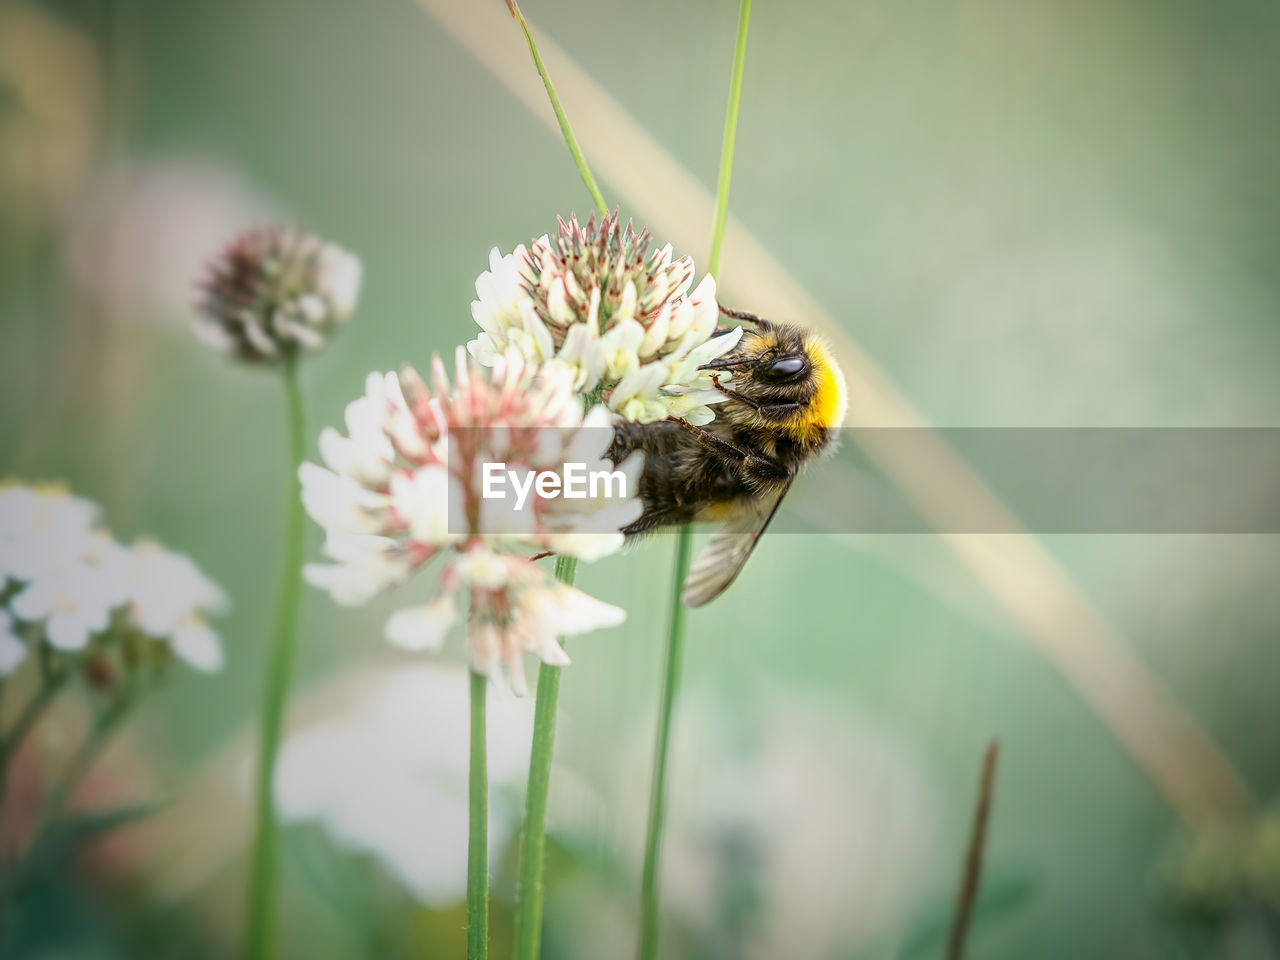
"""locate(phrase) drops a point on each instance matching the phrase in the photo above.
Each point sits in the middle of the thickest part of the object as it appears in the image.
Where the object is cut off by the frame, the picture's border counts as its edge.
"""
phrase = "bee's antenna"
(745, 317)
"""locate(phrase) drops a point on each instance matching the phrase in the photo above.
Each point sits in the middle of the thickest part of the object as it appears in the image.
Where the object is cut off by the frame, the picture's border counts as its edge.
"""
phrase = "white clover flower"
(366, 565)
(338, 275)
(12, 650)
(197, 644)
(619, 319)
(339, 503)
(30, 511)
(73, 604)
(274, 292)
(40, 529)
(75, 591)
(405, 485)
(168, 600)
(516, 607)
(76, 583)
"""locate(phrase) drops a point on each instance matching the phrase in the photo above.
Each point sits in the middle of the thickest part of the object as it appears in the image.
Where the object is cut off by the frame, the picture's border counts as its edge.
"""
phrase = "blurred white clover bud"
(66, 582)
(142, 231)
(406, 485)
(621, 319)
(862, 821)
(274, 292)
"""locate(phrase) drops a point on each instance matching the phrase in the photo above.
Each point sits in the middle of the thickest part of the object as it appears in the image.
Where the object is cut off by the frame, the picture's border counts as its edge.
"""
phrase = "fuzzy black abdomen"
(679, 480)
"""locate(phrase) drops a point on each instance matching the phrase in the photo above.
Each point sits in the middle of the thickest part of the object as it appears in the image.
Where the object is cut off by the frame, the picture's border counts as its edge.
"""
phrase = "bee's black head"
(779, 355)
(773, 354)
(784, 376)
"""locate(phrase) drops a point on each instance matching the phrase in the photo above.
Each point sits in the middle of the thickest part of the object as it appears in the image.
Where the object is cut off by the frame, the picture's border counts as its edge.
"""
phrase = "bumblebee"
(785, 398)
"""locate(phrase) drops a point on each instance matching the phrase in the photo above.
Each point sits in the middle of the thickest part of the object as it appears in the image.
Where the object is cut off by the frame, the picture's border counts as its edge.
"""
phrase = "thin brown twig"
(971, 879)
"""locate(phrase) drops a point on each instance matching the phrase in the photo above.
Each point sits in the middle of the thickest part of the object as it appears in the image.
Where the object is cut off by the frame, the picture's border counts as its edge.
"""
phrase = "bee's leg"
(777, 410)
(774, 411)
(755, 465)
(735, 395)
(625, 441)
(543, 555)
(721, 448)
(656, 519)
(744, 316)
(764, 470)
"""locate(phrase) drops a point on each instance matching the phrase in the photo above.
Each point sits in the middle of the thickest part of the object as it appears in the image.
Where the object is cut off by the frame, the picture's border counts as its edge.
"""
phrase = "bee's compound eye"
(785, 368)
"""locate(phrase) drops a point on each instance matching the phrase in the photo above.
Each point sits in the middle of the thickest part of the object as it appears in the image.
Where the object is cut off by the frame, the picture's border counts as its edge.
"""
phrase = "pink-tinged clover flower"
(406, 484)
(274, 292)
(621, 319)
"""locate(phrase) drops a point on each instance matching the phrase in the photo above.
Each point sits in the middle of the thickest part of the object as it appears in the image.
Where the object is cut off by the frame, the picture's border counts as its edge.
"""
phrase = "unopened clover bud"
(275, 292)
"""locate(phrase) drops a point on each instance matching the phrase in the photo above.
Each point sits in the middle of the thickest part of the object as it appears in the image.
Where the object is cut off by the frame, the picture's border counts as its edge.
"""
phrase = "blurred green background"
(1037, 213)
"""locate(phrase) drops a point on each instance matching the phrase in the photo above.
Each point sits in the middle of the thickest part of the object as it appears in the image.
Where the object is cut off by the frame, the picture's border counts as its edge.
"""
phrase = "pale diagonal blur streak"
(1194, 776)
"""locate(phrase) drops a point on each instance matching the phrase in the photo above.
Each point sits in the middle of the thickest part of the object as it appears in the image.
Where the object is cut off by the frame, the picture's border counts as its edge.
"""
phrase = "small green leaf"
(62, 840)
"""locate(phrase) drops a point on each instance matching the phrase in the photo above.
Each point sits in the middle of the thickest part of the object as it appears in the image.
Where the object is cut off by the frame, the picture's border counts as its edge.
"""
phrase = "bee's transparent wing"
(720, 562)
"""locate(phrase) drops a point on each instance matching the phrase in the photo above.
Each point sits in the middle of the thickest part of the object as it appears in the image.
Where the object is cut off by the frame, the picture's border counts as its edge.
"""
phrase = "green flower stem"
(533, 841)
(566, 131)
(11, 741)
(478, 841)
(104, 726)
(260, 925)
(4, 759)
(649, 885)
(730, 135)
(657, 788)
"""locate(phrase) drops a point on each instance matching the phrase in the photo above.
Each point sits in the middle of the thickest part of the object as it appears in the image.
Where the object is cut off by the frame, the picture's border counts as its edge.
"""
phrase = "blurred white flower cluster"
(275, 291)
(66, 582)
(359, 770)
(620, 319)
(405, 485)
